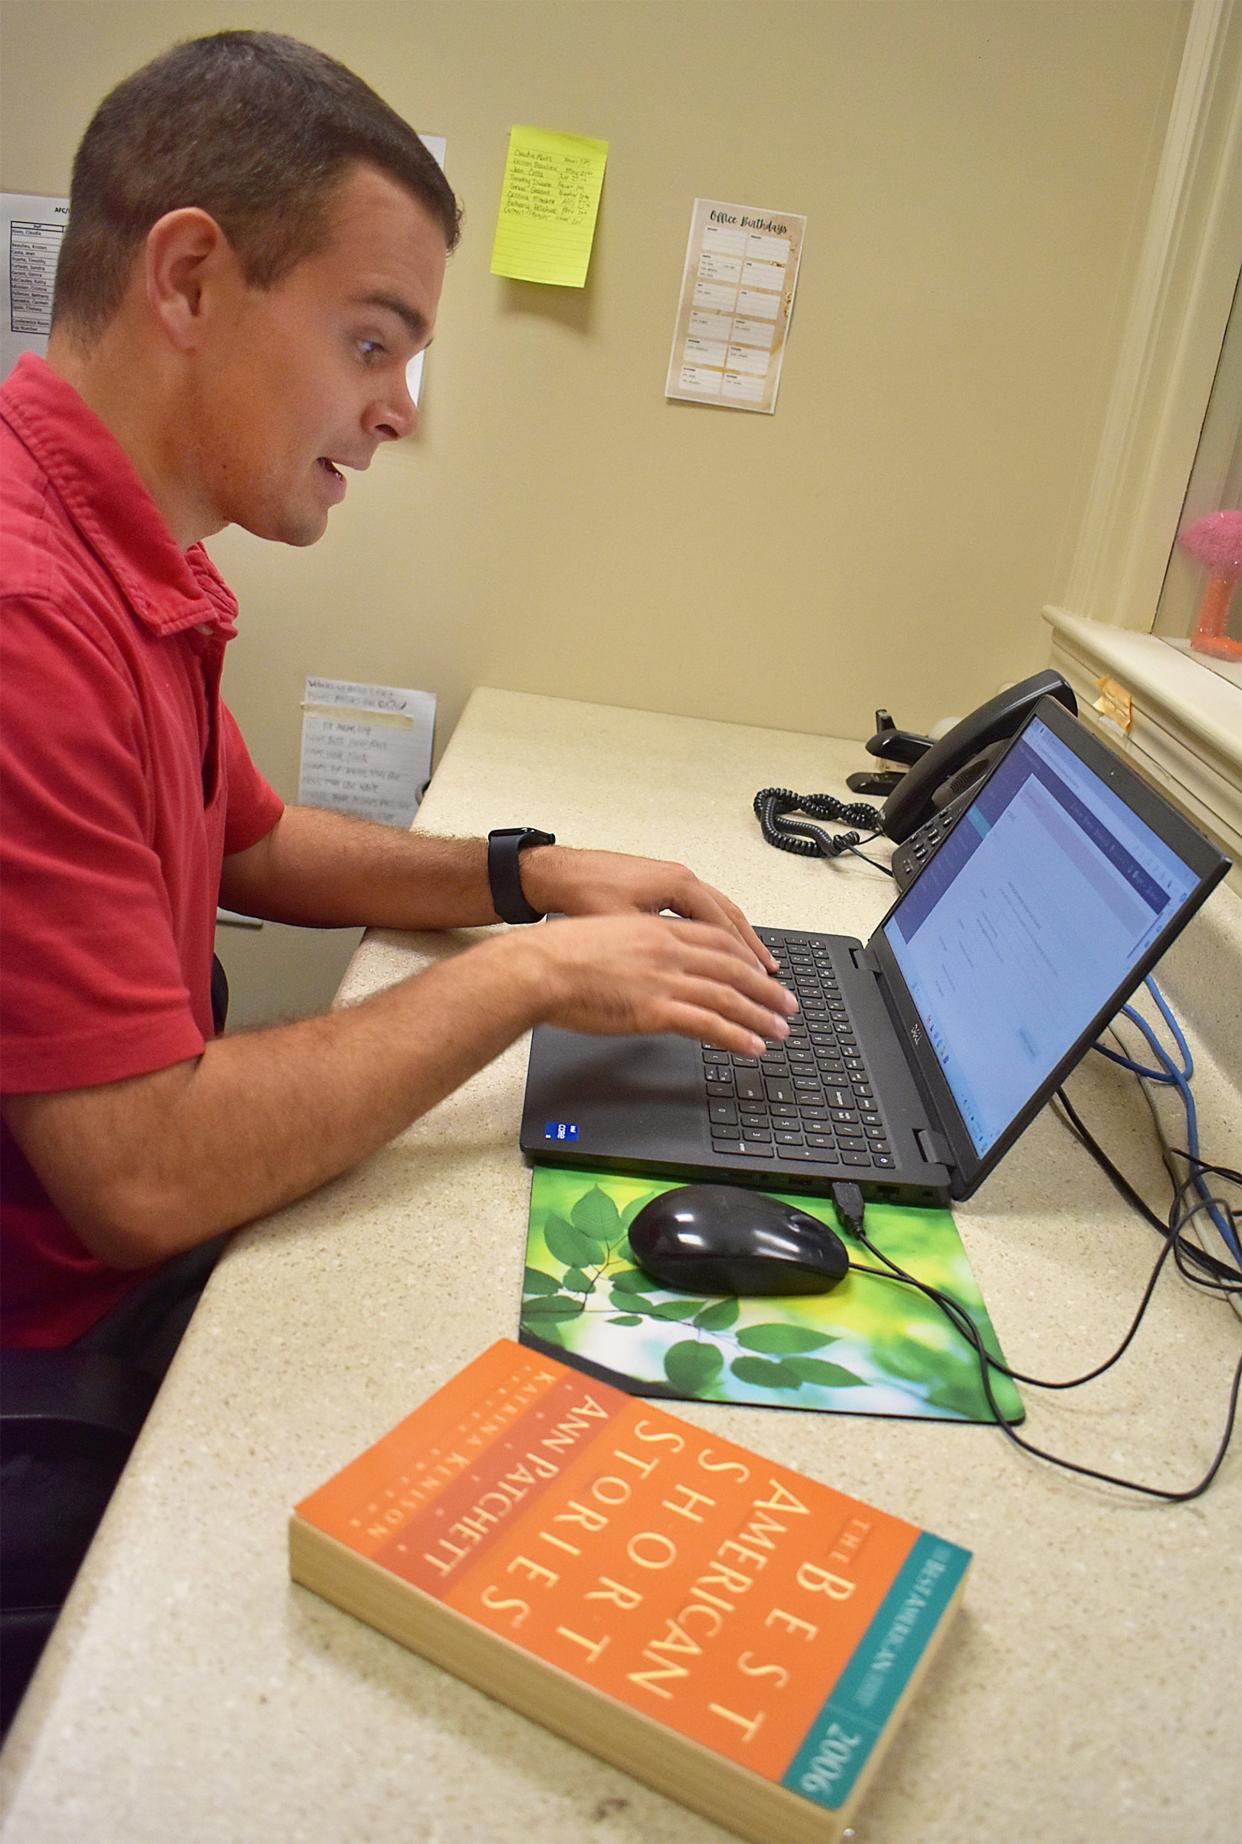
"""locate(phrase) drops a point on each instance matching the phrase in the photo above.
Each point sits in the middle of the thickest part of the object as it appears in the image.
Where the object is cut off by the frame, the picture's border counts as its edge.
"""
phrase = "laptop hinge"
(865, 960)
(933, 1146)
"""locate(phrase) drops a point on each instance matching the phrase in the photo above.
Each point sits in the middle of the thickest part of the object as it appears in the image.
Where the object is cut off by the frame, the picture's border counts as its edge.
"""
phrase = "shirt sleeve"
(95, 961)
(253, 806)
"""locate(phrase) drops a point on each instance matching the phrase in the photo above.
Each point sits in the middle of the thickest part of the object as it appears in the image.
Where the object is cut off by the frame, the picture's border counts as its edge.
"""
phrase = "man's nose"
(394, 418)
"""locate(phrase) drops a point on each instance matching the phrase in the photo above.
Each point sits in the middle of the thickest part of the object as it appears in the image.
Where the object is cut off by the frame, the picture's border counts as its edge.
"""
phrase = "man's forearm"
(328, 870)
(325, 870)
(261, 1118)
(146, 1167)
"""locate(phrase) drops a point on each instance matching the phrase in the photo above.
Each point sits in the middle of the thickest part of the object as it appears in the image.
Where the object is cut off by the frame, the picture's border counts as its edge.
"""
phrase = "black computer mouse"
(725, 1239)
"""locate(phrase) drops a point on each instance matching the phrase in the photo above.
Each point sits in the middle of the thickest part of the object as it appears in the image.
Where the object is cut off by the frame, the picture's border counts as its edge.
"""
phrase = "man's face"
(300, 381)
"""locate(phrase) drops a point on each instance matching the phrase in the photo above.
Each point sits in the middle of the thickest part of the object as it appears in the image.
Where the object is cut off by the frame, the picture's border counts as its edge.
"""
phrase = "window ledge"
(1185, 731)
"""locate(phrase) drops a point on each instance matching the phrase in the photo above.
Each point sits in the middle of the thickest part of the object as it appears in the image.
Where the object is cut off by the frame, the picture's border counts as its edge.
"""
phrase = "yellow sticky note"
(548, 206)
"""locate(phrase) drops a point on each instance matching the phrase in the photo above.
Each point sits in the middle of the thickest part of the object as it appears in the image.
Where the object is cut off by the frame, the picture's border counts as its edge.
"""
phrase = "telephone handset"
(932, 792)
(950, 769)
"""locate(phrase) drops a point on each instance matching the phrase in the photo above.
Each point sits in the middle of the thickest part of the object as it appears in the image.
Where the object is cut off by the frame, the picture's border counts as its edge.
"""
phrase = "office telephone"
(933, 791)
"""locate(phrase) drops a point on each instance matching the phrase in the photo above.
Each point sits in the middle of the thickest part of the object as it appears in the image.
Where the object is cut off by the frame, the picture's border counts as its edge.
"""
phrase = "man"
(255, 251)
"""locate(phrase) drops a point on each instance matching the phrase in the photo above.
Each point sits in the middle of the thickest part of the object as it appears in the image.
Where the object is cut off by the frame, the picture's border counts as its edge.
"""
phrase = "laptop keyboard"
(807, 1099)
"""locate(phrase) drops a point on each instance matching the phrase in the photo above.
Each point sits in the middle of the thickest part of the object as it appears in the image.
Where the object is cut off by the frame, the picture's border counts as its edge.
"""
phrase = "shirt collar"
(167, 588)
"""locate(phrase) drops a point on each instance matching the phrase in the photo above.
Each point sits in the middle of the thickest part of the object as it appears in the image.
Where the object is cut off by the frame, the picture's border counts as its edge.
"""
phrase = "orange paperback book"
(741, 1637)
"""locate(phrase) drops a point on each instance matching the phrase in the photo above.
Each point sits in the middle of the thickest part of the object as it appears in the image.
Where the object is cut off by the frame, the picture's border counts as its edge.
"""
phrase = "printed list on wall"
(33, 228)
(548, 206)
(366, 749)
(737, 295)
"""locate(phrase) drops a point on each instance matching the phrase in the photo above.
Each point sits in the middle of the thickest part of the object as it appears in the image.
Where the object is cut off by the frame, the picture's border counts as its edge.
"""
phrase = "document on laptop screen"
(1047, 892)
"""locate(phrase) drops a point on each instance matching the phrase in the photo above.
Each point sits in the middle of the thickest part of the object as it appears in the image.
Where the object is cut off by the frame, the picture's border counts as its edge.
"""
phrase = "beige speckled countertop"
(1089, 1693)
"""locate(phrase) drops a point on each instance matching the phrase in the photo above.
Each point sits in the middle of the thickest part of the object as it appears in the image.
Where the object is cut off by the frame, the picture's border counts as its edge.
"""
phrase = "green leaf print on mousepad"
(871, 1346)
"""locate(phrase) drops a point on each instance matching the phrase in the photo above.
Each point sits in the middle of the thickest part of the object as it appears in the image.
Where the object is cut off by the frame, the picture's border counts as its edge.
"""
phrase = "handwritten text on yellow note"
(548, 206)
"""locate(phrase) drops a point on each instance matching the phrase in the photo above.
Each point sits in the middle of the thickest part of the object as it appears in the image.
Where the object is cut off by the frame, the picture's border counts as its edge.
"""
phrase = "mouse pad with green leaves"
(871, 1346)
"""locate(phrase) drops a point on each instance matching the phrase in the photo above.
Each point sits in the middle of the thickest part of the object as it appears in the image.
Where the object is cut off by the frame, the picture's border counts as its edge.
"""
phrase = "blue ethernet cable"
(1172, 1077)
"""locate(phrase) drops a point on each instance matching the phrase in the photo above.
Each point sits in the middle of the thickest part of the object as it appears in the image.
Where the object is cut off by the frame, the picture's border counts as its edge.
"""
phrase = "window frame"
(1181, 721)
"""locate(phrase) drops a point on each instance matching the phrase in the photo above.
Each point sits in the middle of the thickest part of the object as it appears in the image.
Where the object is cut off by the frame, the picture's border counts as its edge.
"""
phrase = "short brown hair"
(254, 128)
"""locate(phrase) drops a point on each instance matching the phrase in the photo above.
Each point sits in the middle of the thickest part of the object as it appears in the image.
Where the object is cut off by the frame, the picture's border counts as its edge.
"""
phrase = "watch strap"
(504, 849)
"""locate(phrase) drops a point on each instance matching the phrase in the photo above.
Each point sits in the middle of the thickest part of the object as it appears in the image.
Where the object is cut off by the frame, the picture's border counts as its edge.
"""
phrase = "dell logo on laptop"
(916, 1035)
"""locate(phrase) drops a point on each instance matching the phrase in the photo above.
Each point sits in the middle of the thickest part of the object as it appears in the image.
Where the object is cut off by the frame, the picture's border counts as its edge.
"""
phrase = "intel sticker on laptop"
(562, 1131)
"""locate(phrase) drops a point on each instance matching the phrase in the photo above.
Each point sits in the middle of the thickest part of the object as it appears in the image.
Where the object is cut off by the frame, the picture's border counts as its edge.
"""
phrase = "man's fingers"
(732, 965)
(611, 883)
(653, 974)
(763, 955)
(716, 973)
(701, 903)
(708, 1027)
(725, 1001)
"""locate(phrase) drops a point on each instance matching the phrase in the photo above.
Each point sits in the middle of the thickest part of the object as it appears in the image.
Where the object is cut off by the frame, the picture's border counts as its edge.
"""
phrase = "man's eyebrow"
(414, 321)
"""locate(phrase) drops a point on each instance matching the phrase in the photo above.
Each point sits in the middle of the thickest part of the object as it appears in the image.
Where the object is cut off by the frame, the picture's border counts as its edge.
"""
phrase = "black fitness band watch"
(504, 847)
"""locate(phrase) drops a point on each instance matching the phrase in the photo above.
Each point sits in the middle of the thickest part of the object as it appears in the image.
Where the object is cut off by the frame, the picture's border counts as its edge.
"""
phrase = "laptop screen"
(1046, 894)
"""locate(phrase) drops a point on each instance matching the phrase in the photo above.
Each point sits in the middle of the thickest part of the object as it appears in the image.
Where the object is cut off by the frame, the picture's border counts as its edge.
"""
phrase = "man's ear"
(186, 258)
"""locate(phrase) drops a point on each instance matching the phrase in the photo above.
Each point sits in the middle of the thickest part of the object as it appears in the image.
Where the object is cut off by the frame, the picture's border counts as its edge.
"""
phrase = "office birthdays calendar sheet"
(737, 294)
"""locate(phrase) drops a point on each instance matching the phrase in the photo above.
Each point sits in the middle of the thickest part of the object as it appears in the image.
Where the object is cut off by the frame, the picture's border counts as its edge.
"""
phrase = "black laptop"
(915, 1060)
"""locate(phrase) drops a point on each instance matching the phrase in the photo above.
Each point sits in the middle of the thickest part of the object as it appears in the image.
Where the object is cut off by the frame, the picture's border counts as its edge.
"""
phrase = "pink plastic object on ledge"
(1217, 543)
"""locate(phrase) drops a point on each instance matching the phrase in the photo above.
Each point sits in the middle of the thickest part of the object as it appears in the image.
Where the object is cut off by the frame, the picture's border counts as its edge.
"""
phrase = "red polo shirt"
(123, 782)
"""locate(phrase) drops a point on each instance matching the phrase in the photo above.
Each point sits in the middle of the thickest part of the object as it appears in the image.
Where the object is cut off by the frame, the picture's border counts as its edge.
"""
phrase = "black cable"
(987, 1362)
(1199, 1258)
(774, 807)
(1222, 1171)
(957, 1314)
(1118, 1179)
(1233, 1276)
(1227, 1287)
(1184, 1262)
(848, 1202)
(886, 868)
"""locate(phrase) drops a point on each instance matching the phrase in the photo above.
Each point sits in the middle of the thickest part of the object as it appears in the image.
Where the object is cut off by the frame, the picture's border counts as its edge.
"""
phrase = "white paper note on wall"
(33, 228)
(366, 749)
(737, 294)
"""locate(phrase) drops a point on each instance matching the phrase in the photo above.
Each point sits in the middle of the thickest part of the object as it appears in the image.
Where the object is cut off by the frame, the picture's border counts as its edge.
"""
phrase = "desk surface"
(1089, 1691)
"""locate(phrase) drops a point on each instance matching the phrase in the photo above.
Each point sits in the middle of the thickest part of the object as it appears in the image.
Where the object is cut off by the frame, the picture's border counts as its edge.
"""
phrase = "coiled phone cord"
(773, 806)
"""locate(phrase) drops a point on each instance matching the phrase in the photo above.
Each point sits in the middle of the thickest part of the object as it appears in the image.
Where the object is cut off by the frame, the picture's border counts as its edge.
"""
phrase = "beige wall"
(974, 175)
(972, 172)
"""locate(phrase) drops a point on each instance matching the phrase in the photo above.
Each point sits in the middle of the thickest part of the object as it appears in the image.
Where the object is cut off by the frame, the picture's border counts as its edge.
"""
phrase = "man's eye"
(369, 349)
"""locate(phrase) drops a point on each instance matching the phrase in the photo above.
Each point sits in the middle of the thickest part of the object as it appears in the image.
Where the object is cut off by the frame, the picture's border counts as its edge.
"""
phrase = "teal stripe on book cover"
(838, 1742)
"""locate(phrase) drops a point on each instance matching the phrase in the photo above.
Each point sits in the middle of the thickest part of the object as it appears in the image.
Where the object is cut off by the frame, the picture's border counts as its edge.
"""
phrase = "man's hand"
(585, 883)
(618, 974)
